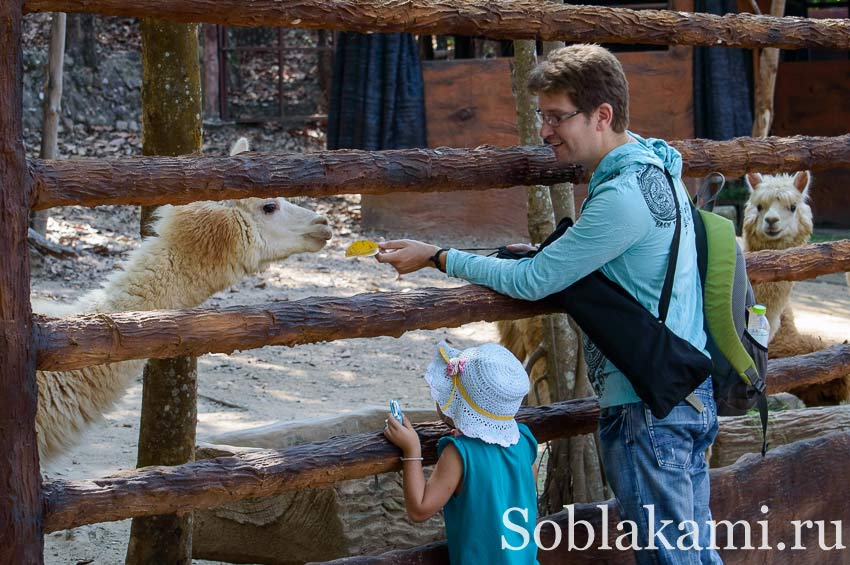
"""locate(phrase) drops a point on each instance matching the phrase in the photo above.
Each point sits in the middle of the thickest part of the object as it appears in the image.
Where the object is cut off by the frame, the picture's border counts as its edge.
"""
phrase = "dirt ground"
(258, 387)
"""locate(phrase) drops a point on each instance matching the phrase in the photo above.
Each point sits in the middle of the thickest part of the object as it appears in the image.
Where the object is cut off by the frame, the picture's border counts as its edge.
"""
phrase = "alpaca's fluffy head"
(777, 214)
(282, 228)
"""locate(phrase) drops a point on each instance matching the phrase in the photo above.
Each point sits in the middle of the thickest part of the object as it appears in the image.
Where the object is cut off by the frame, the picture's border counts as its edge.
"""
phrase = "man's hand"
(406, 255)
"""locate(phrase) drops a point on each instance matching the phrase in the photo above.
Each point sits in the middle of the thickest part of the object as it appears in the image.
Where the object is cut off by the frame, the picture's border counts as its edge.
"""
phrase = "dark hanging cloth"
(723, 84)
(377, 96)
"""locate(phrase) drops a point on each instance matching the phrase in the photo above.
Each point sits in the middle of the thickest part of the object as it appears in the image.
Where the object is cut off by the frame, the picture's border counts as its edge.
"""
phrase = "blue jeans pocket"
(673, 437)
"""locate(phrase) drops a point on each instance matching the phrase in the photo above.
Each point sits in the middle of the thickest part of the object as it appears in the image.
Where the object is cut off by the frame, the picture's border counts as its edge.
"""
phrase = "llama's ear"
(753, 181)
(802, 181)
(241, 146)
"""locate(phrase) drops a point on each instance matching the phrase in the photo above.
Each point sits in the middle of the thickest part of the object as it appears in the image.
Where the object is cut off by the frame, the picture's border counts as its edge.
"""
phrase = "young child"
(485, 467)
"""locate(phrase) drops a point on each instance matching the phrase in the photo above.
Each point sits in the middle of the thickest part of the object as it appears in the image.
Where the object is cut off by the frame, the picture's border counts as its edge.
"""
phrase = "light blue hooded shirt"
(625, 229)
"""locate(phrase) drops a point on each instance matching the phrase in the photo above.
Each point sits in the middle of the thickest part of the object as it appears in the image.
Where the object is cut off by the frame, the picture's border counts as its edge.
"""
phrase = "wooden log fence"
(740, 435)
(179, 180)
(94, 339)
(20, 480)
(818, 367)
(213, 482)
(496, 19)
(811, 466)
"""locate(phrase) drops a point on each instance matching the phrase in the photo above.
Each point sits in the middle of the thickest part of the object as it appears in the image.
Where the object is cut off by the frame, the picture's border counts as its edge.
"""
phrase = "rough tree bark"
(178, 180)
(567, 476)
(52, 105)
(495, 19)
(21, 535)
(740, 435)
(81, 39)
(765, 84)
(94, 339)
(171, 115)
(211, 70)
(562, 194)
(212, 482)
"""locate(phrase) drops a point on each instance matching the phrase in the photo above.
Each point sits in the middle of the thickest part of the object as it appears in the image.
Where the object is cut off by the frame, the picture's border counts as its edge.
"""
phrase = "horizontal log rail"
(496, 19)
(812, 368)
(94, 339)
(794, 482)
(799, 263)
(178, 180)
(212, 482)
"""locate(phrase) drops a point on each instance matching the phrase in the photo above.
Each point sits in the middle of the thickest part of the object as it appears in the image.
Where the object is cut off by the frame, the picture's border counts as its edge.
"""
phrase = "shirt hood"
(645, 152)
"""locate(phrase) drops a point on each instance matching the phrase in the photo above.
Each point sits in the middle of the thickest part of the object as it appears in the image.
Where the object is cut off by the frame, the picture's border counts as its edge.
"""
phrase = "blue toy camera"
(395, 411)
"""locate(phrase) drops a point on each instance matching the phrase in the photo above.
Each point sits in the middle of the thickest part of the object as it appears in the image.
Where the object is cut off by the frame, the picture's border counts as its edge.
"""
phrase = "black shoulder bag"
(662, 367)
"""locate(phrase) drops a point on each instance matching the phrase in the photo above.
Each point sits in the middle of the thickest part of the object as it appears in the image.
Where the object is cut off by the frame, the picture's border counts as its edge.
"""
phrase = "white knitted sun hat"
(480, 389)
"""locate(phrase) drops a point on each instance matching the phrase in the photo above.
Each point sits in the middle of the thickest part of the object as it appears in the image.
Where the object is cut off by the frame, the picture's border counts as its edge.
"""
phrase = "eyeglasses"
(552, 120)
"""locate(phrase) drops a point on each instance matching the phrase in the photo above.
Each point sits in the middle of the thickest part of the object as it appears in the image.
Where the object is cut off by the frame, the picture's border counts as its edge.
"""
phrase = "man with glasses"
(656, 467)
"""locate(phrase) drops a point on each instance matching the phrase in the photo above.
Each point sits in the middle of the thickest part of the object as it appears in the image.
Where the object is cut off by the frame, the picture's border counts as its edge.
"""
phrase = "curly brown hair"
(590, 75)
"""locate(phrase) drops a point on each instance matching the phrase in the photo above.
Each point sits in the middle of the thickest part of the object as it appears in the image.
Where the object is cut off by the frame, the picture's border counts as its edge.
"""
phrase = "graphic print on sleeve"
(656, 192)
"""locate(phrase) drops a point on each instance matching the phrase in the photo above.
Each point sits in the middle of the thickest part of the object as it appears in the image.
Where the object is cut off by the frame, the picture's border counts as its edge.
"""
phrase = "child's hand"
(404, 436)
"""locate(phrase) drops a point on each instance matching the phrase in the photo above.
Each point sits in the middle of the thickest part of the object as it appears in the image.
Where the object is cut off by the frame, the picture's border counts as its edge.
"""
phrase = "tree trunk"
(514, 19)
(566, 477)
(212, 103)
(765, 85)
(52, 106)
(21, 535)
(171, 115)
(81, 38)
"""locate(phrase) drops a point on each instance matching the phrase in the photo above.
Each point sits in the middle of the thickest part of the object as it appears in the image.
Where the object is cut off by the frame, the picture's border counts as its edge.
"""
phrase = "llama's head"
(777, 214)
(282, 227)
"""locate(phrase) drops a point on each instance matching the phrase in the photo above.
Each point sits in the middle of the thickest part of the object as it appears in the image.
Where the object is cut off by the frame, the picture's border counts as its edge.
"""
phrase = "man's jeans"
(662, 463)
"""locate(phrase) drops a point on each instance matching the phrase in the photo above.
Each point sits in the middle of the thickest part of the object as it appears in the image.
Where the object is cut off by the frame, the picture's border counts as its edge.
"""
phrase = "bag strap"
(667, 289)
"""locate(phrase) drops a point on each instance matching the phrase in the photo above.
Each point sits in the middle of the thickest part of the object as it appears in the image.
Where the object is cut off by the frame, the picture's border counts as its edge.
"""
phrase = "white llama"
(200, 249)
(777, 216)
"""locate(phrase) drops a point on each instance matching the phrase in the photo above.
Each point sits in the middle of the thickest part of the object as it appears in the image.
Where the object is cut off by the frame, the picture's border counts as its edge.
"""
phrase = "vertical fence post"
(171, 119)
(21, 534)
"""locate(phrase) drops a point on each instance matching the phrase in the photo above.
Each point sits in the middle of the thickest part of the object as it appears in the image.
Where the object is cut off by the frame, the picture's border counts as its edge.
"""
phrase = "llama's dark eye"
(758, 207)
(793, 208)
(270, 208)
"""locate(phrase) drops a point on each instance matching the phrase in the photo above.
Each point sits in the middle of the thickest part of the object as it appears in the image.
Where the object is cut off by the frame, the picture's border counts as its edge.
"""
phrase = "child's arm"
(422, 500)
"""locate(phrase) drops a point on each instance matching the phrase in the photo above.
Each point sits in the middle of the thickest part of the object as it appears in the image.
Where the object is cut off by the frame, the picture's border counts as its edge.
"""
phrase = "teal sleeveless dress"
(495, 479)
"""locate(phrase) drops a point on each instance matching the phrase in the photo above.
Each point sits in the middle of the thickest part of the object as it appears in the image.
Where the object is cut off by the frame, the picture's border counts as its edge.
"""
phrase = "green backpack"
(740, 362)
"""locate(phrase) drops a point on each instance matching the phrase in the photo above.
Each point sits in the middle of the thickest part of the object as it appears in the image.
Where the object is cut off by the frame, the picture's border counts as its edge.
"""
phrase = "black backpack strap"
(762, 406)
(667, 289)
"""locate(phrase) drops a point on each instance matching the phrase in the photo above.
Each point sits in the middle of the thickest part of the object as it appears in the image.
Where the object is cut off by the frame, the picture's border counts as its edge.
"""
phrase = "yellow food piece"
(362, 248)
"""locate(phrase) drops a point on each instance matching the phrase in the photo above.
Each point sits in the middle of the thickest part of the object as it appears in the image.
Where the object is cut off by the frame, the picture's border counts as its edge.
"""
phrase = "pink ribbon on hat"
(454, 366)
